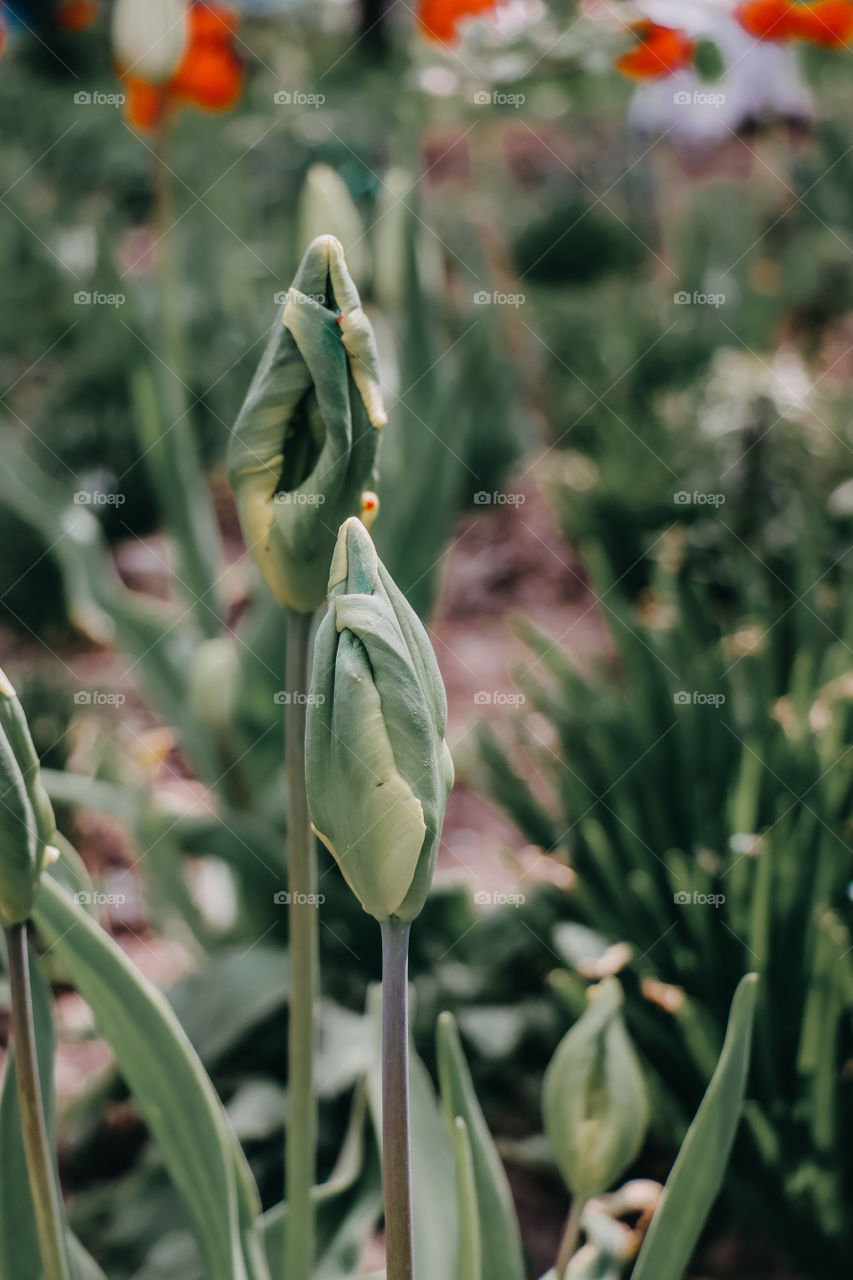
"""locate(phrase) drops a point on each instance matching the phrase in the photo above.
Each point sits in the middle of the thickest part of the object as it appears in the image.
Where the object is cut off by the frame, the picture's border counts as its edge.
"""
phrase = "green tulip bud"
(303, 450)
(594, 1100)
(378, 770)
(27, 825)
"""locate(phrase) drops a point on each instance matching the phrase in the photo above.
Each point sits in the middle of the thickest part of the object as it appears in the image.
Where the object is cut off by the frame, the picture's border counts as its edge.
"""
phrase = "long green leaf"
(175, 1097)
(502, 1257)
(697, 1175)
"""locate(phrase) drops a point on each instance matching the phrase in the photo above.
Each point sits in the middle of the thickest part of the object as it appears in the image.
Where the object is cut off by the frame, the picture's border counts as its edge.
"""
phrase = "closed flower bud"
(149, 37)
(378, 770)
(303, 451)
(27, 825)
(594, 1101)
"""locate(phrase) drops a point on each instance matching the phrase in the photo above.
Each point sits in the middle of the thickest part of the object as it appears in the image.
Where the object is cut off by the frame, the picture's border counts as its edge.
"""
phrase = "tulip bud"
(149, 37)
(303, 450)
(594, 1101)
(378, 770)
(27, 825)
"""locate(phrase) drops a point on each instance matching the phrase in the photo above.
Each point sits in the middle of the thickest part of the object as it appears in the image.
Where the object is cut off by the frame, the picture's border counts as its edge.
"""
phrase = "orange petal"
(438, 18)
(659, 52)
(146, 103)
(769, 19)
(75, 15)
(828, 23)
(209, 78)
(212, 22)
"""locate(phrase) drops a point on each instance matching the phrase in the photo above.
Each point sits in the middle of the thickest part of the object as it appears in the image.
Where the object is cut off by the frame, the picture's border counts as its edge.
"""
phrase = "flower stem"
(300, 1154)
(48, 1212)
(571, 1235)
(399, 1259)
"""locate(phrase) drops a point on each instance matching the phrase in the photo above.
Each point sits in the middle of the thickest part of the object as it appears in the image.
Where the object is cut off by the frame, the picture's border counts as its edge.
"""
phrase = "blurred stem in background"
(45, 1192)
(399, 1259)
(571, 1236)
(165, 422)
(300, 1155)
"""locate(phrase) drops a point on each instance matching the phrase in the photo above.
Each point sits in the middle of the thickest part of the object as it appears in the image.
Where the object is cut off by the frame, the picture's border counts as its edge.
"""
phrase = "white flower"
(150, 36)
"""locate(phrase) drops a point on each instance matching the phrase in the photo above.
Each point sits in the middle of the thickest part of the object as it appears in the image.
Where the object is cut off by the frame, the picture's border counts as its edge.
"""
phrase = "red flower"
(828, 23)
(438, 18)
(658, 52)
(75, 15)
(209, 75)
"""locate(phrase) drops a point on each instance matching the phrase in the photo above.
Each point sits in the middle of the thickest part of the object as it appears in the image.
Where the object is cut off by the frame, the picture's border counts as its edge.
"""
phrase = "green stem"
(571, 1236)
(300, 1155)
(170, 448)
(399, 1260)
(48, 1211)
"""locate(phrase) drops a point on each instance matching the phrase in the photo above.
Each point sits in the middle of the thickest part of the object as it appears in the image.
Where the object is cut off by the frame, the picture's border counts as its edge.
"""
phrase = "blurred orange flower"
(828, 23)
(438, 18)
(658, 52)
(75, 15)
(209, 74)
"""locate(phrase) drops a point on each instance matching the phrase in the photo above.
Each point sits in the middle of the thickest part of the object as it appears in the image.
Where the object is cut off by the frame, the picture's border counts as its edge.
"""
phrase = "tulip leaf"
(501, 1252)
(348, 1206)
(697, 1175)
(175, 1097)
(470, 1244)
